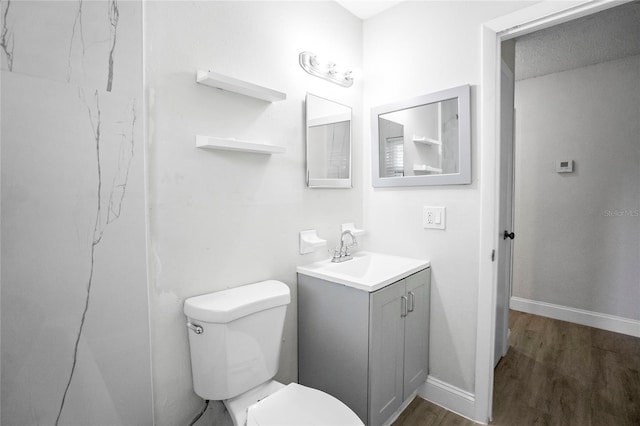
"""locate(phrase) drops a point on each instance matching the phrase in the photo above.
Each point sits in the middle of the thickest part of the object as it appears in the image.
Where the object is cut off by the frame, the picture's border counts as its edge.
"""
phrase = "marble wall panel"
(95, 43)
(75, 321)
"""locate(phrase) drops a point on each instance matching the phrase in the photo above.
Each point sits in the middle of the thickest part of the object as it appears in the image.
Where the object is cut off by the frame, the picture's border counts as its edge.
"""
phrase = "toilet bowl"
(235, 338)
(276, 404)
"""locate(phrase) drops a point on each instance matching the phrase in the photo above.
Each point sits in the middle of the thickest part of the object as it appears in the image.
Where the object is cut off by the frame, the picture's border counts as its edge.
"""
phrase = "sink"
(366, 271)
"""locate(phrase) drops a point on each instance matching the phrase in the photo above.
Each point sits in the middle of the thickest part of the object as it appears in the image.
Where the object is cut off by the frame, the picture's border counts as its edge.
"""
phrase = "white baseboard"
(448, 396)
(578, 316)
(399, 411)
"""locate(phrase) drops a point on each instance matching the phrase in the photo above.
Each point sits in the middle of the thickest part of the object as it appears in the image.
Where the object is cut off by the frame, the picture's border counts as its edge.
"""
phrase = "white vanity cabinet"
(368, 349)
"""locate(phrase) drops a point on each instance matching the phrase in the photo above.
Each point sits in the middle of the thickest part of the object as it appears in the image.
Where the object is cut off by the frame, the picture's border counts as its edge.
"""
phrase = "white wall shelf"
(422, 168)
(427, 141)
(220, 81)
(231, 144)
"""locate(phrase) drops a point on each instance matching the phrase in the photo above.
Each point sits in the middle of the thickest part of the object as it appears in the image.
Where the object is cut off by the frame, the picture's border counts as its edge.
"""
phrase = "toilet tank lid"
(227, 305)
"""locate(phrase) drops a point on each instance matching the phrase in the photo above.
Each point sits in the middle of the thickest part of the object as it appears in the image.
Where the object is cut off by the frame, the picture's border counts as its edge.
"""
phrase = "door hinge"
(493, 255)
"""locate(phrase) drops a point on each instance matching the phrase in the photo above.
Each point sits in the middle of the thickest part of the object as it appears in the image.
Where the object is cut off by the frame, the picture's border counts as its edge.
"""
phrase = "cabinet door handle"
(403, 306)
(412, 301)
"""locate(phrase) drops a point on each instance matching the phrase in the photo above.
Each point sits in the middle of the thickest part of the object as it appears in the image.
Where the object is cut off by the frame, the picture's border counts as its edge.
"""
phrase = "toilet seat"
(298, 405)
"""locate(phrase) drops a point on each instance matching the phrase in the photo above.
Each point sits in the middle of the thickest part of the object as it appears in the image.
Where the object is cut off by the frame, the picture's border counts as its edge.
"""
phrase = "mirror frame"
(463, 177)
(344, 183)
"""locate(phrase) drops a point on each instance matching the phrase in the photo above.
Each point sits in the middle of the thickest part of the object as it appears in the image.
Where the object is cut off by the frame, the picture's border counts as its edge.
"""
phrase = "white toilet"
(235, 337)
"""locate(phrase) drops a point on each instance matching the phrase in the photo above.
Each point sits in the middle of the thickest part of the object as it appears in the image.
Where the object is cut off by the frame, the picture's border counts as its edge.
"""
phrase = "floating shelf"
(426, 141)
(231, 144)
(422, 168)
(220, 81)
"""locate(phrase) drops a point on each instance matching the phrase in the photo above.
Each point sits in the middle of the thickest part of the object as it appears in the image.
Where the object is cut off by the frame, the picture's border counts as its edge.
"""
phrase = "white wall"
(223, 219)
(75, 318)
(216, 219)
(578, 234)
(412, 49)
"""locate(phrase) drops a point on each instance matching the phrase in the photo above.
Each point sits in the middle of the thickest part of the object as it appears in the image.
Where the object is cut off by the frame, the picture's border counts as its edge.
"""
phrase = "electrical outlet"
(429, 217)
(433, 217)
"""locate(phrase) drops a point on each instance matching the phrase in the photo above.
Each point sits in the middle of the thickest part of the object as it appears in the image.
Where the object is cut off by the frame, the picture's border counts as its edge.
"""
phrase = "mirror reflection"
(420, 140)
(423, 140)
(328, 143)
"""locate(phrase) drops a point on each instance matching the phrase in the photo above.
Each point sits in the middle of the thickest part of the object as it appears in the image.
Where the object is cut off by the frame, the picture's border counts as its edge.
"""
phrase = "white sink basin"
(366, 271)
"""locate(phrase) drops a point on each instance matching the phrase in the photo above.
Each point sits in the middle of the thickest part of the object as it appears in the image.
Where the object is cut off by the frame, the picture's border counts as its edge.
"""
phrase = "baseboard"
(399, 411)
(448, 396)
(607, 322)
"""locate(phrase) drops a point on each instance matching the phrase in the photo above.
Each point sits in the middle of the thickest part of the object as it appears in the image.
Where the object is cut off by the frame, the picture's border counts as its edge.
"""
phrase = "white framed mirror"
(424, 140)
(328, 143)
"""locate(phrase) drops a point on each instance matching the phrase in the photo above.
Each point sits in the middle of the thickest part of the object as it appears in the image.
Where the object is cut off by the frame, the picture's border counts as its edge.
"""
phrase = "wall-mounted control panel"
(564, 166)
(433, 217)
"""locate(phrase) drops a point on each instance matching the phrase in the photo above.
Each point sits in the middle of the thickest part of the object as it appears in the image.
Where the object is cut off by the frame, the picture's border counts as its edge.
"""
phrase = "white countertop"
(367, 271)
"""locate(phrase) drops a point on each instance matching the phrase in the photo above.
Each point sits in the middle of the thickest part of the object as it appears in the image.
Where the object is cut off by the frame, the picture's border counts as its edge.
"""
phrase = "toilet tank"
(235, 337)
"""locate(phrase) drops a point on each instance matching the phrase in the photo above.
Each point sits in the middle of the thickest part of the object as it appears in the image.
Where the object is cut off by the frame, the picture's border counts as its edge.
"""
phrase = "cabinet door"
(386, 355)
(416, 331)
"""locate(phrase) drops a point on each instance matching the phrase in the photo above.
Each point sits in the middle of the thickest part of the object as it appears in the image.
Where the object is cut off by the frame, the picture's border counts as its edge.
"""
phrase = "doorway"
(537, 17)
(577, 100)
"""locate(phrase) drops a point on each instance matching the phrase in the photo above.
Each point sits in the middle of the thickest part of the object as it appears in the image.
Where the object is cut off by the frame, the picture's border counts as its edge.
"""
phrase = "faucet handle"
(337, 253)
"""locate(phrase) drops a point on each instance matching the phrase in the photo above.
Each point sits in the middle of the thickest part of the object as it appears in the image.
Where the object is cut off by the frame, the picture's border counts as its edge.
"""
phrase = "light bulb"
(356, 74)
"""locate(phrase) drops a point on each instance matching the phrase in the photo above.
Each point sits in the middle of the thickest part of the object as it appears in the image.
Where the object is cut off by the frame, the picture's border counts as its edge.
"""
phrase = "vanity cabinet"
(368, 349)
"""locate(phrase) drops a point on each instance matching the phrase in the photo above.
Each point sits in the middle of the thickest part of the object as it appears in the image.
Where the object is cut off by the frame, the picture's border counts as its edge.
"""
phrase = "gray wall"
(578, 234)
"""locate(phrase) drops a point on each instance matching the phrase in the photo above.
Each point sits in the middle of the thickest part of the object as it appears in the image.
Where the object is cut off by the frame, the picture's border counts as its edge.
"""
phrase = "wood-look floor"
(555, 373)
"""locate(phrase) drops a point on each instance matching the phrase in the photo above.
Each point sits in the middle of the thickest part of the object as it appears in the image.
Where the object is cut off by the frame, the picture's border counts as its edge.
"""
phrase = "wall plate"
(564, 166)
(433, 217)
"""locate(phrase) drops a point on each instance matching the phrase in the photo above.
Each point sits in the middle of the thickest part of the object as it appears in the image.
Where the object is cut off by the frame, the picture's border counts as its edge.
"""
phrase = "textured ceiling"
(605, 36)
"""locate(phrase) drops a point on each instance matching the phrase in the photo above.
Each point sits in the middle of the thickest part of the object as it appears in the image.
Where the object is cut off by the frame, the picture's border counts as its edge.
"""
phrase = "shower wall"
(75, 323)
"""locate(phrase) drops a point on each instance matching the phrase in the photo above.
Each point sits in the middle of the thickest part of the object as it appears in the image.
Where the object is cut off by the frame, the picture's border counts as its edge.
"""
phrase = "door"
(506, 213)
(387, 352)
(416, 331)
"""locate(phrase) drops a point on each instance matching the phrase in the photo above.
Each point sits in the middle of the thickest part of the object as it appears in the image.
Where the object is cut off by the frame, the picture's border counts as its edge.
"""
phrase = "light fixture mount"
(329, 71)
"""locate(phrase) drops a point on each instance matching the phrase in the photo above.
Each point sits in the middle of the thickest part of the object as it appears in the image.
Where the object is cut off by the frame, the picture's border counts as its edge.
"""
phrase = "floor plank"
(555, 373)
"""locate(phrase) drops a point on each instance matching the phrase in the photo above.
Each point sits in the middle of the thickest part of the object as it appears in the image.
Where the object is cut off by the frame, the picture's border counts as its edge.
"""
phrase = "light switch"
(433, 217)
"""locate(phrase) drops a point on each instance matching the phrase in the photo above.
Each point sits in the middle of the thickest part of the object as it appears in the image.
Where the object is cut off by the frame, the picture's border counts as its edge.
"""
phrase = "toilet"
(235, 337)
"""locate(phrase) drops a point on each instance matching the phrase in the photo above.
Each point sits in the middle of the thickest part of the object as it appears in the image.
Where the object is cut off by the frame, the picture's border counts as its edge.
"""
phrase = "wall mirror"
(423, 141)
(328, 143)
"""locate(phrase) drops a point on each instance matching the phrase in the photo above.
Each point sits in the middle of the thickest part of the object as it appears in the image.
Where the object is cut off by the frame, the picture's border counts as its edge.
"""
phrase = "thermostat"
(564, 166)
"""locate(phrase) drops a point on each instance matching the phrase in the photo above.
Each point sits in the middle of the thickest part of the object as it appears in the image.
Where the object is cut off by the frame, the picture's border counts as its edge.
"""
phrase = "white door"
(506, 213)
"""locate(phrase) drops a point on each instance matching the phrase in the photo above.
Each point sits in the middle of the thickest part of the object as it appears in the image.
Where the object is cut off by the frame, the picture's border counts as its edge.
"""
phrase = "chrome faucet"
(341, 254)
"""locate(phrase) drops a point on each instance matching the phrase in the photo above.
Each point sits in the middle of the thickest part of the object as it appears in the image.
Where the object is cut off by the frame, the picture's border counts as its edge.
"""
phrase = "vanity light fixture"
(309, 62)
